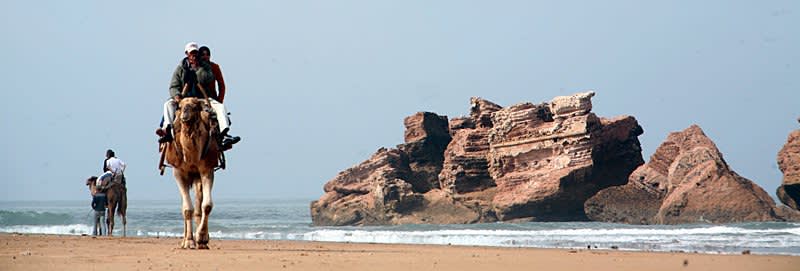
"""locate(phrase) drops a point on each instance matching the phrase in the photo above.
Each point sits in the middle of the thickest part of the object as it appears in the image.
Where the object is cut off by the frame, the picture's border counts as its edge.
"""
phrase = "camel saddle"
(104, 184)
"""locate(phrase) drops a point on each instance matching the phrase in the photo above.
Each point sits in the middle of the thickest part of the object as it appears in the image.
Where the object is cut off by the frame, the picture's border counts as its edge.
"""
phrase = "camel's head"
(190, 109)
(90, 182)
(195, 135)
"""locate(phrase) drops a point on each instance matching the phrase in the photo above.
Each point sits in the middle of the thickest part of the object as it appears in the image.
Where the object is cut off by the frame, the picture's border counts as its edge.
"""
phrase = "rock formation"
(426, 136)
(465, 166)
(685, 181)
(789, 164)
(547, 159)
(376, 192)
(524, 162)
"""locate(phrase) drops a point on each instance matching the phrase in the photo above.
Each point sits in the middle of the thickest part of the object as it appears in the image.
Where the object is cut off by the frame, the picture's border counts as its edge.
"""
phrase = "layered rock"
(547, 159)
(353, 196)
(525, 162)
(426, 137)
(465, 166)
(376, 192)
(789, 163)
(686, 181)
(396, 186)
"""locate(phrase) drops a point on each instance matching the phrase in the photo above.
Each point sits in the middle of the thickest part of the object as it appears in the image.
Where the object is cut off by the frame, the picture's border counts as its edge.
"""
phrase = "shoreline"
(588, 248)
(76, 252)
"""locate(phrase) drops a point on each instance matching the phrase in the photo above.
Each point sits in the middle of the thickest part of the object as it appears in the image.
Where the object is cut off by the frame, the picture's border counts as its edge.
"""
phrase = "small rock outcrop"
(685, 181)
(524, 162)
(376, 192)
(789, 163)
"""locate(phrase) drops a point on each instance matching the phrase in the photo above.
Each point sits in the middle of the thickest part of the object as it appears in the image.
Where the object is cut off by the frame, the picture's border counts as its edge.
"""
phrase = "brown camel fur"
(194, 154)
(117, 195)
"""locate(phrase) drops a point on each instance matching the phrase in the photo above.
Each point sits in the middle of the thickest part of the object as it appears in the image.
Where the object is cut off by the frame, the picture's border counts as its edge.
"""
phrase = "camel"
(194, 154)
(117, 195)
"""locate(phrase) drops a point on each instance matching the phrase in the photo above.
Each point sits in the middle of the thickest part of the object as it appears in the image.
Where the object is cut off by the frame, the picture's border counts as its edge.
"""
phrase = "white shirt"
(115, 165)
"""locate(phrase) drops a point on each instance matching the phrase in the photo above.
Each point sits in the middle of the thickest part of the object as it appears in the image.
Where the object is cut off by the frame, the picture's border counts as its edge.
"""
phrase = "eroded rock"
(465, 166)
(426, 136)
(789, 163)
(686, 181)
(547, 159)
(521, 163)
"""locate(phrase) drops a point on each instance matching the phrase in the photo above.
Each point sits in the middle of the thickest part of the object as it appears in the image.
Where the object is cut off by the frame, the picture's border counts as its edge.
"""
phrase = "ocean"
(290, 220)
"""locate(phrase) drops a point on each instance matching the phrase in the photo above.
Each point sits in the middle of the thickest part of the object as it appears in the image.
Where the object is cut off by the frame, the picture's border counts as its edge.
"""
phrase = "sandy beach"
(61, 252)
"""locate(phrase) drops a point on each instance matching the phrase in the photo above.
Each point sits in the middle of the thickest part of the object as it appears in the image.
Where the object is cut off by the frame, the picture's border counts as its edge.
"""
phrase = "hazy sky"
(315, 87)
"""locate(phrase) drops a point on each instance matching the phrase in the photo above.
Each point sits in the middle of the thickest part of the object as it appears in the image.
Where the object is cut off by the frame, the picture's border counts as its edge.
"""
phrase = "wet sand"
(62, 252)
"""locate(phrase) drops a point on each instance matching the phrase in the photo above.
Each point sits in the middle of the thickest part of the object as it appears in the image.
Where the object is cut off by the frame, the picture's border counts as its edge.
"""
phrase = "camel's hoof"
(202, 243)
(187, 244)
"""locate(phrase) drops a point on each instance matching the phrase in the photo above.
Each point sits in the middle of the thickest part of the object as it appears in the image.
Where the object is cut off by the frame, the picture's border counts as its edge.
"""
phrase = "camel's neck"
(192, 127)
(195, 142)
(193, 148)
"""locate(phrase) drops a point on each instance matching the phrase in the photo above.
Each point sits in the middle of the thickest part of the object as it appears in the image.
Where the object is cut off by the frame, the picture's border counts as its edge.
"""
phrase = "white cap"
(192, 46)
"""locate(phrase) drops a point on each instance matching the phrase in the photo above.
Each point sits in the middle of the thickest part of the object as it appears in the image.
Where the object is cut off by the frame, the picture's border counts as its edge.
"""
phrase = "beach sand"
(60, 252)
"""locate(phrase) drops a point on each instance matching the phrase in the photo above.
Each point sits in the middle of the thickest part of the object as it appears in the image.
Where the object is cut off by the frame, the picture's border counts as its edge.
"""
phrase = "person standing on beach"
(99, 202)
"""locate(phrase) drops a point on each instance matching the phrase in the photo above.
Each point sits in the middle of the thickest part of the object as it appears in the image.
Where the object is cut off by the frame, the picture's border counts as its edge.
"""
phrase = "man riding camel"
(115, 166)
(194, 78)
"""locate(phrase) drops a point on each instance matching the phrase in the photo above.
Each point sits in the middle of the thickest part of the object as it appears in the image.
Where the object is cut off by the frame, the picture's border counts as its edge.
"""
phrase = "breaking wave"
(290, 220)
(33, 218)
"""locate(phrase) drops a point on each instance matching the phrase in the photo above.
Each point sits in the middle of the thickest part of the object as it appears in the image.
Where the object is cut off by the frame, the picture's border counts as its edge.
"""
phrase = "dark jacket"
(184, 74)
(99, 201)
(105, 167)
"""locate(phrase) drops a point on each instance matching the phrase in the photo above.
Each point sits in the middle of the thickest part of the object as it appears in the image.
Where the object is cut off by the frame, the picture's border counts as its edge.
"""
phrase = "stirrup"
(221, 161)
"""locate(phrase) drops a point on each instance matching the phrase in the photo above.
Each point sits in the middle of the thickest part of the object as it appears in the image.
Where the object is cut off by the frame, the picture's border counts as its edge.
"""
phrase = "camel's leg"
(202, 229)
(198, 201)
(112, 209)
(123, 211)
(110, 220)
(186, 208)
